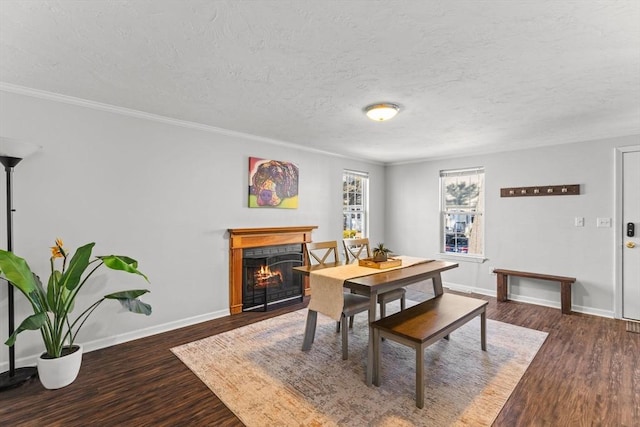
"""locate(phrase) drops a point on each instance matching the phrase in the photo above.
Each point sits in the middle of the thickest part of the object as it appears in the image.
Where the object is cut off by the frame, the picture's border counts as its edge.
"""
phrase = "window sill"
(478, 259)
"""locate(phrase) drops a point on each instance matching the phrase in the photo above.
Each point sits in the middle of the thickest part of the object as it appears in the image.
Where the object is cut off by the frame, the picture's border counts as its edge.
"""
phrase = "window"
(355, 192)
(461, 206)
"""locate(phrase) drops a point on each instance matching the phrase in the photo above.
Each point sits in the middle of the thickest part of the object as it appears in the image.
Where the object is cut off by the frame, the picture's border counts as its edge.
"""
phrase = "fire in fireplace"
(265, 277)
(268, 276)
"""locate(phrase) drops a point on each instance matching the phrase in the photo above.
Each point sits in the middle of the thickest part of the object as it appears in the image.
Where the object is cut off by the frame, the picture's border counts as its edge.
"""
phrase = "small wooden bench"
(421, 325)
(565, 285)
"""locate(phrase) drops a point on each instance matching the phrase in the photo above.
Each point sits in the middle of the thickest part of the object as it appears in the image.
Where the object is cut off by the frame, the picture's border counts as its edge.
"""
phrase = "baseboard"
(529, 300)
(170, 326)
(129, 336)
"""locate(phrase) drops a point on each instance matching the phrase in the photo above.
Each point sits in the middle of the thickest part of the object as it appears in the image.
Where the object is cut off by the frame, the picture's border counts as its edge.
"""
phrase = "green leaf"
(130, 294)
(39, 296)
(79, 263)
(54, 289)
(129, 300)
(31, 323)
(136, 306)
(132, 262)
(17, 271)
(122, 263)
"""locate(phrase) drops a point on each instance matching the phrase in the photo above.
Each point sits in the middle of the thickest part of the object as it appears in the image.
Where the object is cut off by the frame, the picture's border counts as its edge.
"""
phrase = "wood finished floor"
(586, 374)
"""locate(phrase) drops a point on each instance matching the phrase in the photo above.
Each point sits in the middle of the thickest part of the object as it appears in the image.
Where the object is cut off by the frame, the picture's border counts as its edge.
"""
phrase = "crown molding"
(36, 93)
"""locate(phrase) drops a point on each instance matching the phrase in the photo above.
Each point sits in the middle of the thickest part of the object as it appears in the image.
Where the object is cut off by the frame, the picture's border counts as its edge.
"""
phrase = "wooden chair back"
(355, 249)
(322, 252)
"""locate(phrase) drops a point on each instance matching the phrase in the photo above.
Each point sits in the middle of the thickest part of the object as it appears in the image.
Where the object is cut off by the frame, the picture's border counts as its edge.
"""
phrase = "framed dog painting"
(272, 184)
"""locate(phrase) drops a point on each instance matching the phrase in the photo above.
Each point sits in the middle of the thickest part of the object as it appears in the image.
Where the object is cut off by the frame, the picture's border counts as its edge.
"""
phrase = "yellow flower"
(58, 251)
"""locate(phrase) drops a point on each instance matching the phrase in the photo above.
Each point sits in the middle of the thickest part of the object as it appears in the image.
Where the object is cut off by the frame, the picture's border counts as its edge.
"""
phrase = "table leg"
(483, 330)
(370, 355)
(309, 330)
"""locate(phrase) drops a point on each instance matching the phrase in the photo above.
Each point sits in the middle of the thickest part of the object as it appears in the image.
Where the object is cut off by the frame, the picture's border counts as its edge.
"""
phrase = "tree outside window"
(462, 211)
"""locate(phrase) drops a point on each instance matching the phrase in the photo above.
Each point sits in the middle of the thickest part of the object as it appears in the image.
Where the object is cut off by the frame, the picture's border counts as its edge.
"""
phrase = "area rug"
(261, 374)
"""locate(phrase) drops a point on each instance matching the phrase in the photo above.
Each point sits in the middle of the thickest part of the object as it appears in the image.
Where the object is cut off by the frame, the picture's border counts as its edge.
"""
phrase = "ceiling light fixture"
(381, 112)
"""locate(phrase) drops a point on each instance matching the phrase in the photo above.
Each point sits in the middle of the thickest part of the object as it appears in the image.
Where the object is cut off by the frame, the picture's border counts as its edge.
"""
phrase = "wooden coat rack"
(541, 190)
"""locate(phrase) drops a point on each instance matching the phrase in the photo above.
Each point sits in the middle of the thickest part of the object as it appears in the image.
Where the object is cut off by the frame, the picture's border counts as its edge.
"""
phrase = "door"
(630, 229)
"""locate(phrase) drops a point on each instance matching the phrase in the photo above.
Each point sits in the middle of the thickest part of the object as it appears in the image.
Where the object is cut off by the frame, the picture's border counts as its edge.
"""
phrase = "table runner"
(327, 294)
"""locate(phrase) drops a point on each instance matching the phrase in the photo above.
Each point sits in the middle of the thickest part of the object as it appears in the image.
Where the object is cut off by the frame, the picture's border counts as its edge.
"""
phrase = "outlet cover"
(603, 222)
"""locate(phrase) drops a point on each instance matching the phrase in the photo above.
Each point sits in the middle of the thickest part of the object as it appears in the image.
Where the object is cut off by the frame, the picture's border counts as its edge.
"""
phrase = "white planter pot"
(61, 371)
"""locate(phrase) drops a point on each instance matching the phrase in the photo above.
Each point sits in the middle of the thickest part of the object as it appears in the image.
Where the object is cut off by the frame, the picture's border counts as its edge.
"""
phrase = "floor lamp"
(11, 153)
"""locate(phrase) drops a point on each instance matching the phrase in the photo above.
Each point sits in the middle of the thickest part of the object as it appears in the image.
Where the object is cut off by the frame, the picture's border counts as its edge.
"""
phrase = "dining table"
(373, 281)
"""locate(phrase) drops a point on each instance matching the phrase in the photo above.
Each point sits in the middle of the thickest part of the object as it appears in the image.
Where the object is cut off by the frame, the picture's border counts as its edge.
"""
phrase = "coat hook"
(550, 190)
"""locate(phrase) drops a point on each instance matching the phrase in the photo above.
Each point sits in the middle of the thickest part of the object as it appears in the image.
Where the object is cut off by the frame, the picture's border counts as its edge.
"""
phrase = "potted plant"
(380, 253)
(52, 306)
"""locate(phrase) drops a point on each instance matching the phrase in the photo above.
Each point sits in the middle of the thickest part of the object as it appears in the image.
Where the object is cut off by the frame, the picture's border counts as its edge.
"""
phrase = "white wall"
(158, 192)
(522, 233)
(166, 194)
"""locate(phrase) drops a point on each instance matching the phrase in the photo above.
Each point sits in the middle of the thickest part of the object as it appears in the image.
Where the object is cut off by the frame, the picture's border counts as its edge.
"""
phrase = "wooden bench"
(422, 325)
(565, 285)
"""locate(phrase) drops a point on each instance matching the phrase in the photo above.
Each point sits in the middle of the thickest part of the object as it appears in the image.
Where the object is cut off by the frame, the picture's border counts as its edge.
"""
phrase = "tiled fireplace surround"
(243, 238)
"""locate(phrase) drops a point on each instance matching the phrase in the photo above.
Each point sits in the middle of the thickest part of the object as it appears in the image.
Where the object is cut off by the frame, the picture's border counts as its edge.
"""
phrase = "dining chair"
(322, 253)
(360, 248)
(357, 248)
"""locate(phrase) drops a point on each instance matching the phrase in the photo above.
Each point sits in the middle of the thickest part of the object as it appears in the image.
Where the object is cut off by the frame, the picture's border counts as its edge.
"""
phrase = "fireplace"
(268, 277)
(247, 248)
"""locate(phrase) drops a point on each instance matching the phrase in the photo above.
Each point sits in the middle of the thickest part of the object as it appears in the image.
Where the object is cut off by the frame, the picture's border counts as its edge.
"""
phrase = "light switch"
(603, 222)
(579, 221)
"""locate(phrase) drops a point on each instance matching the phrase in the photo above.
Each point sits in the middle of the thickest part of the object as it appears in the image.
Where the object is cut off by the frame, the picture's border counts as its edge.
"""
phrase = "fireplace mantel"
(241, 238)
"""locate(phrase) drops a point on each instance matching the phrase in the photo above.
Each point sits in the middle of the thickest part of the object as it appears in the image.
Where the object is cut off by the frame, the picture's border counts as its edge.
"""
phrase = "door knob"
(631, 245)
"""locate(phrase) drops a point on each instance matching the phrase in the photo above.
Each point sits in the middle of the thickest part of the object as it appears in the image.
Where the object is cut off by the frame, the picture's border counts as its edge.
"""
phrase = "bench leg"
(565, 297)
(437, 284)
(483, 330)
(420, 376)
(310, 330)
(501, 294)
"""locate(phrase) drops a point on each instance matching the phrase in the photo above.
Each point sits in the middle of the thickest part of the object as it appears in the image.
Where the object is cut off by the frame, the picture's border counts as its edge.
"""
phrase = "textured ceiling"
(470, 76)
